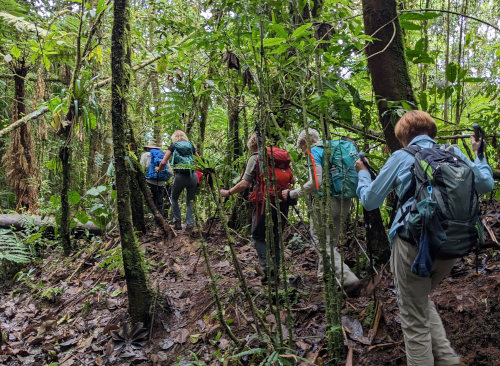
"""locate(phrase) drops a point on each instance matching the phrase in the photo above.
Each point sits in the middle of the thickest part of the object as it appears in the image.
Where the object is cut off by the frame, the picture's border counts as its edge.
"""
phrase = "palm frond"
(21, 24)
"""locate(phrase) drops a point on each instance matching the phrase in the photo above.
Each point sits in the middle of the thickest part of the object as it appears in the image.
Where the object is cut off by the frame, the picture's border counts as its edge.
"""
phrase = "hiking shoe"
(354, 289)
(192, 233)
(177, 225)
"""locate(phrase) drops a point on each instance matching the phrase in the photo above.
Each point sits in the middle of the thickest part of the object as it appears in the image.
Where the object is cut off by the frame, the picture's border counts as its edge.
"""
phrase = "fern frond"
(12, 249)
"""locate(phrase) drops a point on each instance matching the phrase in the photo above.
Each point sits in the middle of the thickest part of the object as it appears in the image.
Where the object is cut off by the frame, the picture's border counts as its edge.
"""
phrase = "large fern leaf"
(12, 249)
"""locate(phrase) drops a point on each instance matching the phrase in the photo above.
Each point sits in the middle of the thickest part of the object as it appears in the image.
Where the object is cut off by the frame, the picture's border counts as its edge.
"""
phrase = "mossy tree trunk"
(20, 162)
(139, 293)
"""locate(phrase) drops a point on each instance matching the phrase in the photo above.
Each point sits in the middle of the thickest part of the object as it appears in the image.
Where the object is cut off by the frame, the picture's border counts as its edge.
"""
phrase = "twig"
(373, 331)
(384, 345)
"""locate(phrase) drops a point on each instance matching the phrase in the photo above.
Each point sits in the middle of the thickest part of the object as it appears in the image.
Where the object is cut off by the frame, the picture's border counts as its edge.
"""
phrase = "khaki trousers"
(341, 269)
(424, 335)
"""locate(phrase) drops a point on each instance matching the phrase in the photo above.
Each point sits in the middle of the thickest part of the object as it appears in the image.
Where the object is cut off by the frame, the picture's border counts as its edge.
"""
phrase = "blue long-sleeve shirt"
(396, 174)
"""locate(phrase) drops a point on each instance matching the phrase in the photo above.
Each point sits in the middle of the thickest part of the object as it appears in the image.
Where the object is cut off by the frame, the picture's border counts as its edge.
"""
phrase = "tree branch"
(450, 12)
(24, 120)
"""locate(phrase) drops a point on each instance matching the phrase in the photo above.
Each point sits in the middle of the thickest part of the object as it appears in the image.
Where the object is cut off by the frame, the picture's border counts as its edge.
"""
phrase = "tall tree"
(139, 293)
(387, 64)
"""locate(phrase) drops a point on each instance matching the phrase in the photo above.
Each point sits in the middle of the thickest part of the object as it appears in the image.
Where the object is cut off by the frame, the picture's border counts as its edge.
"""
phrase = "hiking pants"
(157, 193)
(259, 232)
(341, 269)
(424, 335)
(184, 181)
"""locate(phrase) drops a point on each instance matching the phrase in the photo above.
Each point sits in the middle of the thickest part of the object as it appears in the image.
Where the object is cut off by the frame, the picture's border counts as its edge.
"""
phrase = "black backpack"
(442, 178)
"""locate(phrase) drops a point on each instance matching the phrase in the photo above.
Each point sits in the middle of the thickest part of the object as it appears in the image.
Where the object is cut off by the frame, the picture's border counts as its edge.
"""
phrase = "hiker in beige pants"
(420, 321)
(339, 215)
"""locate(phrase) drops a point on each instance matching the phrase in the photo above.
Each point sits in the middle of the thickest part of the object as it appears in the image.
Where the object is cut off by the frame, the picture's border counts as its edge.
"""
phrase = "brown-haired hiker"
(424, 335)
(253, 176)
(182, 151)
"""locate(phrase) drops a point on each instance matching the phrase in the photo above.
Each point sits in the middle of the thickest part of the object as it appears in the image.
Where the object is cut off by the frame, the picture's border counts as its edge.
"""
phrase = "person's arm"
(483, 175)
(309, 186)
(372, 194)
(239, 187)
(163, 161)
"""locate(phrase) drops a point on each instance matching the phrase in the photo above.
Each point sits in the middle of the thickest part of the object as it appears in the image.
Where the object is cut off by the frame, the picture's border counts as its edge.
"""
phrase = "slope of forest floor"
(66, 311)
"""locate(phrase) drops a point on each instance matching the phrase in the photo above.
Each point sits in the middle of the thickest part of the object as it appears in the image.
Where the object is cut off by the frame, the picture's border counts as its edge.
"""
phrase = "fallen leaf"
(182, 336)
(194, 338)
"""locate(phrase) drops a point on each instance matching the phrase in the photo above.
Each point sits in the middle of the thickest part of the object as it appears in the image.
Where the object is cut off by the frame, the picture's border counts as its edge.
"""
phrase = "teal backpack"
(343, 175)
(183, 158)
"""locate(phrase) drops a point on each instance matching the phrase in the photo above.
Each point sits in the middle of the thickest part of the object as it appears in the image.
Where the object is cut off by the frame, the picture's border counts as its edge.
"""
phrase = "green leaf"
(419, 16)
(300, 31)
(280, 30)
(73, 197)
(269, 42)
(14, 51)
(82, 217)
(409, 25)
(96, 191)
(451, 72)
(474, 80)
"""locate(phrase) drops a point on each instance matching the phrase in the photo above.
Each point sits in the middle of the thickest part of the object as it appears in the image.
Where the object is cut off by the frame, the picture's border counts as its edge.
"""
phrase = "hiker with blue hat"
(182, 153)
(156, 181)
(437, 220)
(309, 142)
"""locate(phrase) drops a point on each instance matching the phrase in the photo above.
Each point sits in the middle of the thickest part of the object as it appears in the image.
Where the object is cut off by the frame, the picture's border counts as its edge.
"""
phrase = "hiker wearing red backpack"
(310, 143)
(437, 221)
(254, 177)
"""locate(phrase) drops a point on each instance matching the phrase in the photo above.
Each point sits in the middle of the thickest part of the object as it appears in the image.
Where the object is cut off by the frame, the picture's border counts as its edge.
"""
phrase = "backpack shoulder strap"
(412, 149)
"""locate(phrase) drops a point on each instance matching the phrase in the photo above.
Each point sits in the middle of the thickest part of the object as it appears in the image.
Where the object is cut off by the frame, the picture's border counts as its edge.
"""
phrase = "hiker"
(150, 159)
(253, 177)
(424, 334)
(340, 209)
(181, 151)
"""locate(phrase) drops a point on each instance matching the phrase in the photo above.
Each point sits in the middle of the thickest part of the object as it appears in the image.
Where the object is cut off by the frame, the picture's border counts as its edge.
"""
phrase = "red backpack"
(283, 173)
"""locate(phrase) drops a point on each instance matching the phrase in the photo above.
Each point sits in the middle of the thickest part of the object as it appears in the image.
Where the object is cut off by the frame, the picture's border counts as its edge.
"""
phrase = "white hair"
(313, 136)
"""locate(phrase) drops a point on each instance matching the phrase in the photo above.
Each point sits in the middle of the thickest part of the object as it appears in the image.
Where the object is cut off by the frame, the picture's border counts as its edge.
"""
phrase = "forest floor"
(66, 311)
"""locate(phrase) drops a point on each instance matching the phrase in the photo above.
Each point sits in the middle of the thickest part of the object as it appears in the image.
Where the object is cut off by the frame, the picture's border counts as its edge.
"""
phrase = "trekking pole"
(479, 135)
(373, 173)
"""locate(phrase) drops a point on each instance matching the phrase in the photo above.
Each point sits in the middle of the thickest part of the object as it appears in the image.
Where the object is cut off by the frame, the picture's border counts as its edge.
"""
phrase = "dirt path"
(64, 311)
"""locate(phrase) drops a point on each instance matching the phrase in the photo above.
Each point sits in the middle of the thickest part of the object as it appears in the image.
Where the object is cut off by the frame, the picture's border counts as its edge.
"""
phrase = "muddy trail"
(74, 312)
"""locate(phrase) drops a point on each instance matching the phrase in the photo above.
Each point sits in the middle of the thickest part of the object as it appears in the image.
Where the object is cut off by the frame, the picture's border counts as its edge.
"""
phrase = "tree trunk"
(155, 89)
(20, 162)
(387, 63)
(391, 82)
(139, 293)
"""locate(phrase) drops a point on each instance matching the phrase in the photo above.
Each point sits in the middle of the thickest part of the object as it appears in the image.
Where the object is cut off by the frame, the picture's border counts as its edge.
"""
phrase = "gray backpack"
(444, 180)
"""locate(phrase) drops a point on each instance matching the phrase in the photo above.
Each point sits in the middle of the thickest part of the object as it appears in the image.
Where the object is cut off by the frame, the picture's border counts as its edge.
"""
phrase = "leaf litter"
(88, 323)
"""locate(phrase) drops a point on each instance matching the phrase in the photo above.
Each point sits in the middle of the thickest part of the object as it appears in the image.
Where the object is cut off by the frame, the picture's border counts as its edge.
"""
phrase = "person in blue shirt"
(339, 210)
(424, 335)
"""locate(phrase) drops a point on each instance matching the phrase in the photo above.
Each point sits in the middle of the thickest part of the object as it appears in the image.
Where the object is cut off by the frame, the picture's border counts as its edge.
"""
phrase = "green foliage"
(111, 259)
(12, 249)
(51, 294)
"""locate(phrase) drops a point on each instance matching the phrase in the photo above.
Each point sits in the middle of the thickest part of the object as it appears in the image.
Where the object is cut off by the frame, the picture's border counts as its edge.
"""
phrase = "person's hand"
(157, 169)
(359, 165)
(475, 143)
(224, 192)
(284, 194)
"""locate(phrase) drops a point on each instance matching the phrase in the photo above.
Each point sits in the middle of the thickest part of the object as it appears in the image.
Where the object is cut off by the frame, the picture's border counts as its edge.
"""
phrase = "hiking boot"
(177, 225)
(192, 233)
(354, 289)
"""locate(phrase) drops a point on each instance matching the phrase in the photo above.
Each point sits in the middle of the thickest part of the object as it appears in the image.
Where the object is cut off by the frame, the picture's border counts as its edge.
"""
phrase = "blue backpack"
(183, 155)
(156, 158)
(343, 175)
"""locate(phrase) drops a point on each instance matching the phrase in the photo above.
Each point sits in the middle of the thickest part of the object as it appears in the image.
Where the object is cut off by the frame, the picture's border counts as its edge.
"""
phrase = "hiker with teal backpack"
(437, 221)
(343, 183)
(182, 153)
(156, 181)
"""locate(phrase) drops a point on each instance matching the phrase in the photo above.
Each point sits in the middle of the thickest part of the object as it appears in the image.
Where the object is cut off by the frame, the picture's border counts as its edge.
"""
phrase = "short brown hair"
(414, 123)
(179, 136)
